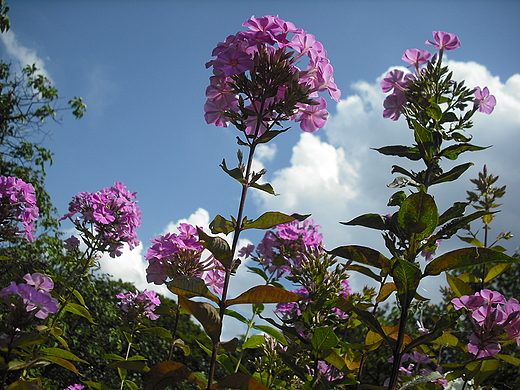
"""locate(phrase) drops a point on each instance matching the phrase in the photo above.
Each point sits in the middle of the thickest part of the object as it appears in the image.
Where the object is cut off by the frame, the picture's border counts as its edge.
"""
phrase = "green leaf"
(453, 151)
(221, 225)
(452, 175)
(496, 271)
(62, 353)
(400, 151)
(236, 315)
(190, 286)
(456, 211)
(324, 338)
(235, 173)
(365, 271)
(407, 277)
(509, 359)
(373, 324)
(397, 198)
(79, 310)
(255, 341)
(434, 111)
(466, 257)
(165, 374)
(363, 255)
(418, 215)
(266, 187)
(206, 314)
(268, 220)
(264, 294)
(61, 362)
(424, 139)
(437, 335)
(25, 385)
(372, 221)
(274, 333)
(217, 246)
(458, 286)
(159, 331)
(386, 290)
(96, 385)
(481, 370)
(239, 380)
(27, 339)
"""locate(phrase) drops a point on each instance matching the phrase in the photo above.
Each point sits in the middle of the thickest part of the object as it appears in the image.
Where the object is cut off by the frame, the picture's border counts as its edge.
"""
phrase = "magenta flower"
(470, 302)
(444, 41)
(313, 117)
(17, 204)
(35, 295)
(139, 305)
(215, 280)
(484, 101)
(232, 61)
(416, 57)
(393, 105)
(394, 80)
(112, 213)
(236, 55)
(75, 387)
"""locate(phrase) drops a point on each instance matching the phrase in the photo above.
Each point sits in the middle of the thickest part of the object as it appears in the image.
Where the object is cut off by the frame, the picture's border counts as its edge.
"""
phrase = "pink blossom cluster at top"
(396, 80)
(114, 214)
(173, 255)
(34, 295)
(286, 246)
(493, 315)
(237, 55)
(137, 305)
(18, 204)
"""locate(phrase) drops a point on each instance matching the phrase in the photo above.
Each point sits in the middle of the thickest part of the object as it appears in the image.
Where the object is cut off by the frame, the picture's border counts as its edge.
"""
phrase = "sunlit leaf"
(453, 151)
(418, 215)
(190, 286)
(453, 174)
(458, 286)
(165, 374)
(466, 257)
(264, 294)
(495, 271)
(324, 338)
(363, 255)
(206, 314)
(62, 353)
(274, 333)
(221, 225)
(79, 310)
(217, 246)
(268, 220)
(372, 221)
(239, 381)
(385, 291)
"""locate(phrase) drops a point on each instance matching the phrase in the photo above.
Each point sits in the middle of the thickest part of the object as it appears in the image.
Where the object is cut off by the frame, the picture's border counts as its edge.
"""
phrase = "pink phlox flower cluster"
(236, 55)
(75, 387)
(396, 81)
(172, 255)
(492, 315)
(18, 204)
(484, 101)
(136, 305)
(286, 246)
(34, 295)
(114, 214)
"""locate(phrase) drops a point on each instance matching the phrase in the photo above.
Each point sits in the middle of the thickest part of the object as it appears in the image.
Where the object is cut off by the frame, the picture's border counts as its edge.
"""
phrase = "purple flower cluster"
(114, 214)
(396, 81)
(17, 204)
(75, 387)
(285, 246)
(173, 255)
(34, 295)
(492, 315)
(137, 305)
(236, 55)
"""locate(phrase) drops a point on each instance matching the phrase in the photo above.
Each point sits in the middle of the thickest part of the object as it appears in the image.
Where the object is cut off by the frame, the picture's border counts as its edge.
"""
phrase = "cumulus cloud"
(336, 175)
(21, 53)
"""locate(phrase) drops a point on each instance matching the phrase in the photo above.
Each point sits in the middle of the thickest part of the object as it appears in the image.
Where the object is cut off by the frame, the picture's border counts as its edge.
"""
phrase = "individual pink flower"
(393, 105)
(139, 305)
(393, 80)
(470, 302)
(75, 387)
(416, 57)
(313, 117)
(39, 281)
(444, 41)
(232, 61)
(486, 103)
(215, 280)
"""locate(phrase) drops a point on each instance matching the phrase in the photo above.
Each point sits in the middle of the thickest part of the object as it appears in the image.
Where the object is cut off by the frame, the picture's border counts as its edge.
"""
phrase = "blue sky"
(140, 68)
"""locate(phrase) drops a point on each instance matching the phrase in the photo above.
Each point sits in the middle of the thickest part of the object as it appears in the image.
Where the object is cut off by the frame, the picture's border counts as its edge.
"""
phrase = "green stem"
(249, 327)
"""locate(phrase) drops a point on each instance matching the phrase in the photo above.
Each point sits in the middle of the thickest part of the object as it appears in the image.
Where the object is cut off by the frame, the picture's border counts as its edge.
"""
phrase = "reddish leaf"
(264, 294)
(165, 374)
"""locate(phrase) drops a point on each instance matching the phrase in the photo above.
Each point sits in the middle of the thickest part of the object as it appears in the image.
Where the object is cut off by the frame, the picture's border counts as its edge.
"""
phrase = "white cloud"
(21, 53)
(198, 218)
